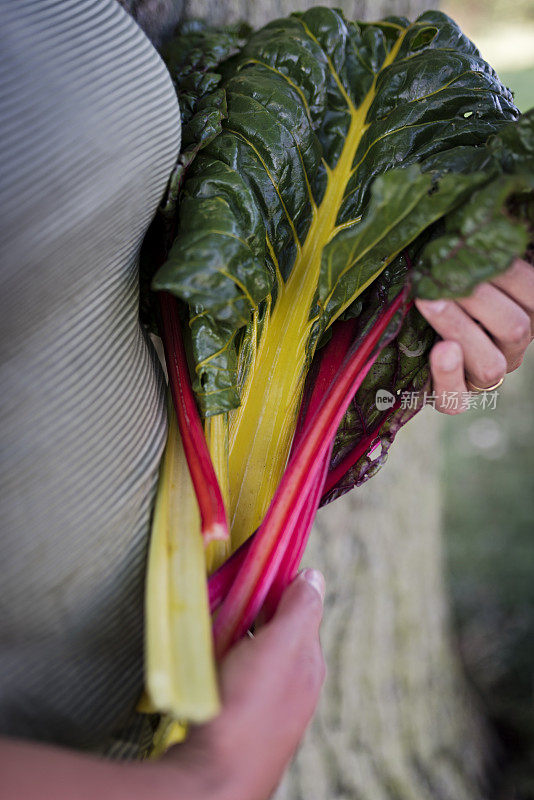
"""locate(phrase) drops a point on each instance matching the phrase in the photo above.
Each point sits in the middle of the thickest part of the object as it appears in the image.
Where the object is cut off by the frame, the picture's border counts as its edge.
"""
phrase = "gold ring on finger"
(473, 388)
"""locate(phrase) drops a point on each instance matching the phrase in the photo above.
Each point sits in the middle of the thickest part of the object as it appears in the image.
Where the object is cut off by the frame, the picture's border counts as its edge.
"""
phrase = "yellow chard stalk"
(181, 678)
(216, 430)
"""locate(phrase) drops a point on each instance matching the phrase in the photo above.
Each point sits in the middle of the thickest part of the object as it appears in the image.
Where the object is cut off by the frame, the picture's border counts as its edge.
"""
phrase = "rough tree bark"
(396, 720)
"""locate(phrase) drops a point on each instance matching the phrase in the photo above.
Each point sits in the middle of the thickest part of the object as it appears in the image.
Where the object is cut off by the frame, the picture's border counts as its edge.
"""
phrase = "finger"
(518, 283)
(284, 659)
(295, 624)
(448, 378)
(301, 607)
(503, 318)
(484, 363)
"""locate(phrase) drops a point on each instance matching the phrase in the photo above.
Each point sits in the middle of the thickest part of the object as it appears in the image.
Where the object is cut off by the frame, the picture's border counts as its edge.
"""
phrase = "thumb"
(301, 606)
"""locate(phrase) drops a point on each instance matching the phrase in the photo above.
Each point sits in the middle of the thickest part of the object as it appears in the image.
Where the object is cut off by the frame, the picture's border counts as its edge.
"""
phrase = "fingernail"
(434, 306)
(315, 579)
(449, 360)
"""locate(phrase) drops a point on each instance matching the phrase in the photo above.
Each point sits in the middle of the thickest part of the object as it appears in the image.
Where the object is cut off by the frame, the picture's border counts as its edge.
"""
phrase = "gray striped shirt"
(89, 131)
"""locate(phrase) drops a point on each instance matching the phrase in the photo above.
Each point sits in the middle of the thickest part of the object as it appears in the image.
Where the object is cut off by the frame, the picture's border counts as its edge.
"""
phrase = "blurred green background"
(489, 477)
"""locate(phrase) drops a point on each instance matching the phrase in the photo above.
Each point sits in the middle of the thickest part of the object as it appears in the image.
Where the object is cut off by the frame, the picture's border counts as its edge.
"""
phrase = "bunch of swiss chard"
(330, 172)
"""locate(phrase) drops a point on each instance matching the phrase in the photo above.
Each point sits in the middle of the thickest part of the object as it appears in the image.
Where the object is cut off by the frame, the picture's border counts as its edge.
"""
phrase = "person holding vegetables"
(84, 425)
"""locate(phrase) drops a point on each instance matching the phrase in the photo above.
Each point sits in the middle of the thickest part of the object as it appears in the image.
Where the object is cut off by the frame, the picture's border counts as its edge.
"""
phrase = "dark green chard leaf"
(307, 95)
(192, 58)
(481, 237)
(514, 146)
(474, 243)
(341, 146)
(320, 157)
(402, 371)
(402, 366)
(369, 464)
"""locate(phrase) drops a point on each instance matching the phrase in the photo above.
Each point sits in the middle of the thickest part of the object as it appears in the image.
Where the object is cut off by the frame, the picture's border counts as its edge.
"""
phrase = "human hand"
(270, 686)
(484, 335)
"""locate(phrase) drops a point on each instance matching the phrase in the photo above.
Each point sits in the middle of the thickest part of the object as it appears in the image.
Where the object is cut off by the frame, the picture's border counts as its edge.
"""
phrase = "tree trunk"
(259, 12)
(396, 720)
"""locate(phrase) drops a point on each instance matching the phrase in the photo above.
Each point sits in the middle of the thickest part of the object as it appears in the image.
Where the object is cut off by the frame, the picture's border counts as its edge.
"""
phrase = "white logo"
(384, 399)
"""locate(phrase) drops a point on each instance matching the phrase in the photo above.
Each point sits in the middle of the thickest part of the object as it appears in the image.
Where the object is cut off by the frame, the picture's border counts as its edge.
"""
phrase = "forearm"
(270, 686)
(43, 772)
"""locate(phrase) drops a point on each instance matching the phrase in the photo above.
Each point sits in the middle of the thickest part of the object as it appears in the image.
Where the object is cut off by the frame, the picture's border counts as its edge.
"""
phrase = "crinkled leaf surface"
(192, 58)
(472, 244)
(402, 370)
(480, 239)
(513, 147)
(402, 366)
(342, 144)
